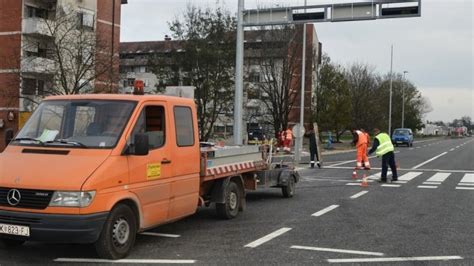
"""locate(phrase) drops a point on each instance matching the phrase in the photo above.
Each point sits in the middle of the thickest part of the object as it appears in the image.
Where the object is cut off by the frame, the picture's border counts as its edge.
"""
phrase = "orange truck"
(101, 168)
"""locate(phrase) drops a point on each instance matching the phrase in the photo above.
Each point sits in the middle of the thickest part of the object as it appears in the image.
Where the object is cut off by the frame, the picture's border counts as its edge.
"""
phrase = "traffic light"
(400, 11)
(308, 16)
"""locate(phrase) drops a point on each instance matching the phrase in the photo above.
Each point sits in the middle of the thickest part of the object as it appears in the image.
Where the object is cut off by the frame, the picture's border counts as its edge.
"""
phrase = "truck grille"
(31, 199)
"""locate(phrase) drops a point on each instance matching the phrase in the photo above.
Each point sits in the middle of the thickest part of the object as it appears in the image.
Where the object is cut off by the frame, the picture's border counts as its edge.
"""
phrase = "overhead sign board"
(353, 12)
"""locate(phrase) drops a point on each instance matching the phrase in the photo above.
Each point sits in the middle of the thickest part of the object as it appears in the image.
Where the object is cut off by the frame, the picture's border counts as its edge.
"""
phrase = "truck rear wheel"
(118, 235)
(233, 197)
(289, 190)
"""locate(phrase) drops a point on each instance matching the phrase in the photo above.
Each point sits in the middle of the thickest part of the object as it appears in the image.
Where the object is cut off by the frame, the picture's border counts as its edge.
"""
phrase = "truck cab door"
(150, 175)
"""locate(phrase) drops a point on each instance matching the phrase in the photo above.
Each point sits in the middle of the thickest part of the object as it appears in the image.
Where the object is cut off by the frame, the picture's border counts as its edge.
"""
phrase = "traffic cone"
(354, 174)
(364, 182)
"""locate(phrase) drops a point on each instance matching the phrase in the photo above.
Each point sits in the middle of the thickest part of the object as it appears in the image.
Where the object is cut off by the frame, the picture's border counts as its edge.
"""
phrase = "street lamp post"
(299, 139)
(403, 99)
(390, 98)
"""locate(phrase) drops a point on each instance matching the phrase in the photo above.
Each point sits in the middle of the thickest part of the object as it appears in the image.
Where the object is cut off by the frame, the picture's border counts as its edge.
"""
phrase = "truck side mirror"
(141, 147)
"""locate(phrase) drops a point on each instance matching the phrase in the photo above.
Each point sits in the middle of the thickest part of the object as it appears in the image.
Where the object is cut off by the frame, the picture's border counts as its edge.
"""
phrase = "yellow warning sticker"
(153, 171)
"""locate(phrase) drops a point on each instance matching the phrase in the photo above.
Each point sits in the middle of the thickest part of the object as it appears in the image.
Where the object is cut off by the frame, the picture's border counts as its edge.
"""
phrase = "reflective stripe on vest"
(385, 144)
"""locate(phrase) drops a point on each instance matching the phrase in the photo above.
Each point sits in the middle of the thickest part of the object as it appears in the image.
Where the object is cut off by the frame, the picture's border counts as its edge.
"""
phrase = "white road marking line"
(451, 149)
(411, 149)
(465, 188)
(325, 210)
(457, 147)
(409, 169)
(390, 185)
(395, 259)
(355, 196)
(438, 177)
(143, 261)
(268, 237)
(400, 182)
(418, 147)
(409, 176)
(352, 161)
(159, 234)
(465, 184)
(432, 159)
(427, 186)
(348, 251)
(468, 178)
(431, 183)
(353, 184)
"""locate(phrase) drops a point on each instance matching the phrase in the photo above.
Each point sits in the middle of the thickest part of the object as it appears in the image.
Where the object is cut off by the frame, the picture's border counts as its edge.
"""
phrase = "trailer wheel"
(118, 235)
(289, 190)
(230, 208)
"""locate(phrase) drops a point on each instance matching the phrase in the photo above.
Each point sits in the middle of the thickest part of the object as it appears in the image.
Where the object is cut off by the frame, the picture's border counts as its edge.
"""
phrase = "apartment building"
(33, 64)
(135, 64)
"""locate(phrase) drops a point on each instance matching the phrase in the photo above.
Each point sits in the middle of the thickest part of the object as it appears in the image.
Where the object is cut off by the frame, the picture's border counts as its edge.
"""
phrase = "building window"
(32, 86)
(254, 77)
(130, 82)
(85, 20)
(34, 12)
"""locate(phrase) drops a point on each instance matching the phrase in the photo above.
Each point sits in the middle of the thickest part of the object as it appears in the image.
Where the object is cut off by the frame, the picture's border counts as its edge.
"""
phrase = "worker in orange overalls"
(288, 140)
(361, 140)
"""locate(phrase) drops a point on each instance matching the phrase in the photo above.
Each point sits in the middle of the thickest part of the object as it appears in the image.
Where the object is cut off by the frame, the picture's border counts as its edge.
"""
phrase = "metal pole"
(390, 104)
(239, 66)
(299, 140)
(403, 99)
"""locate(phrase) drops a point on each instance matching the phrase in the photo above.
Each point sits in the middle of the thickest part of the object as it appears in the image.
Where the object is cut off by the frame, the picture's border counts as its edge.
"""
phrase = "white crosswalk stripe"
(438, 177)
(468, 178)
(409, 176)
(466, 182)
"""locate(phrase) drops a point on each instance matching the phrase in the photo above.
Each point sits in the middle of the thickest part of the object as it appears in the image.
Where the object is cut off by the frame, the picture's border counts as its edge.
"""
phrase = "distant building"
(434, 130)
(135, 64)
(26, 67)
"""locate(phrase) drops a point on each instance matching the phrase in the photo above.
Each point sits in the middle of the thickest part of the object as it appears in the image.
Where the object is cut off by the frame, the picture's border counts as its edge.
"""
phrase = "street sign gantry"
(349, 11)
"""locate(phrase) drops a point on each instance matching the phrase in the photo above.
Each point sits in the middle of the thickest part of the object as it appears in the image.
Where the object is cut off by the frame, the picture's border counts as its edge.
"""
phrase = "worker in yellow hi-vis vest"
(383, 147)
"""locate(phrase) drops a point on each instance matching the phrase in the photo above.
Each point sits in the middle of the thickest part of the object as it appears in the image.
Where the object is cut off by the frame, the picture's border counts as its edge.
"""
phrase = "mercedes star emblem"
(13, 197)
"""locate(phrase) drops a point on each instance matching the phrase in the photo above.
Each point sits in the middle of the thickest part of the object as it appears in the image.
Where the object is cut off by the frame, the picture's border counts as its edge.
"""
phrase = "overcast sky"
(436, 49)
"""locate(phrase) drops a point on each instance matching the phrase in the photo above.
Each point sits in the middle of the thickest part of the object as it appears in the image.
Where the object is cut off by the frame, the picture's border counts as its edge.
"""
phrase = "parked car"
(256, 137)
(402, 136)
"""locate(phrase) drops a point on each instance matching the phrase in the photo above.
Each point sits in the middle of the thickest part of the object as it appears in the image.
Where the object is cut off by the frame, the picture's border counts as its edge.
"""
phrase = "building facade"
(29, 58)
(135, 64)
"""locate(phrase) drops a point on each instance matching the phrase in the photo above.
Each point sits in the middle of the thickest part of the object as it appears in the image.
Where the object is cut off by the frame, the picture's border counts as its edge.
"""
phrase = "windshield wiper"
(29, 139)
(63, 141)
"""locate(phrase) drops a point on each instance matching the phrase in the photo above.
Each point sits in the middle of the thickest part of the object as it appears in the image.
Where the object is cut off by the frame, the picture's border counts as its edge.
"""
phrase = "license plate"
(17, 230)
(399, 141)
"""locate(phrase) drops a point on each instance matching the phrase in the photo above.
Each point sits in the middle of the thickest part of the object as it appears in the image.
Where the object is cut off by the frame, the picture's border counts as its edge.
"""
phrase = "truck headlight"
(72, 198)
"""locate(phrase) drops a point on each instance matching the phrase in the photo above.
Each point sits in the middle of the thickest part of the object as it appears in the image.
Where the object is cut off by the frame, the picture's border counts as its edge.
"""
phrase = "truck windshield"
(76, 123)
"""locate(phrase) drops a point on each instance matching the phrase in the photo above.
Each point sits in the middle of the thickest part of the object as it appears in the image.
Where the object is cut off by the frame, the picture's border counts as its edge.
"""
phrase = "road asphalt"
(426, 219)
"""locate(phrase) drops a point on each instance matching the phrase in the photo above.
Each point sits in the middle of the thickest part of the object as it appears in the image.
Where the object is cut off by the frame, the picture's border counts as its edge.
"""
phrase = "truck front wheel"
(118, 235)
(233, 197)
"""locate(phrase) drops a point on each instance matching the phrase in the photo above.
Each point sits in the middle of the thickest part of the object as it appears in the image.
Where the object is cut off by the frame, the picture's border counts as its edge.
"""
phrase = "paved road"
(425, 219)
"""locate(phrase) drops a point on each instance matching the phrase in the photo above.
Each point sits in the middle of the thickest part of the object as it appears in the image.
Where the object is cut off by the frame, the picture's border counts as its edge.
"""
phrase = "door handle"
(165, 161)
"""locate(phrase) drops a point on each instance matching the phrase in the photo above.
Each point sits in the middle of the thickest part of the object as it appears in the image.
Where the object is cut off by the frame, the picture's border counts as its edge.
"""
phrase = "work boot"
(319, 165)
(312, 165)
(382, 180)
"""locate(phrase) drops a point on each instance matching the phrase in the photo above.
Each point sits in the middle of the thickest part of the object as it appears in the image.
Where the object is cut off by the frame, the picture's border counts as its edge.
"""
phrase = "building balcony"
(36, 26)
(38, 65)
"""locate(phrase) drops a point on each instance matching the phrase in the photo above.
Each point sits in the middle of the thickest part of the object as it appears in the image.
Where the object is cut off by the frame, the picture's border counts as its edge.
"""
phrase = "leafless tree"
(277, 53)
(69, 57)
